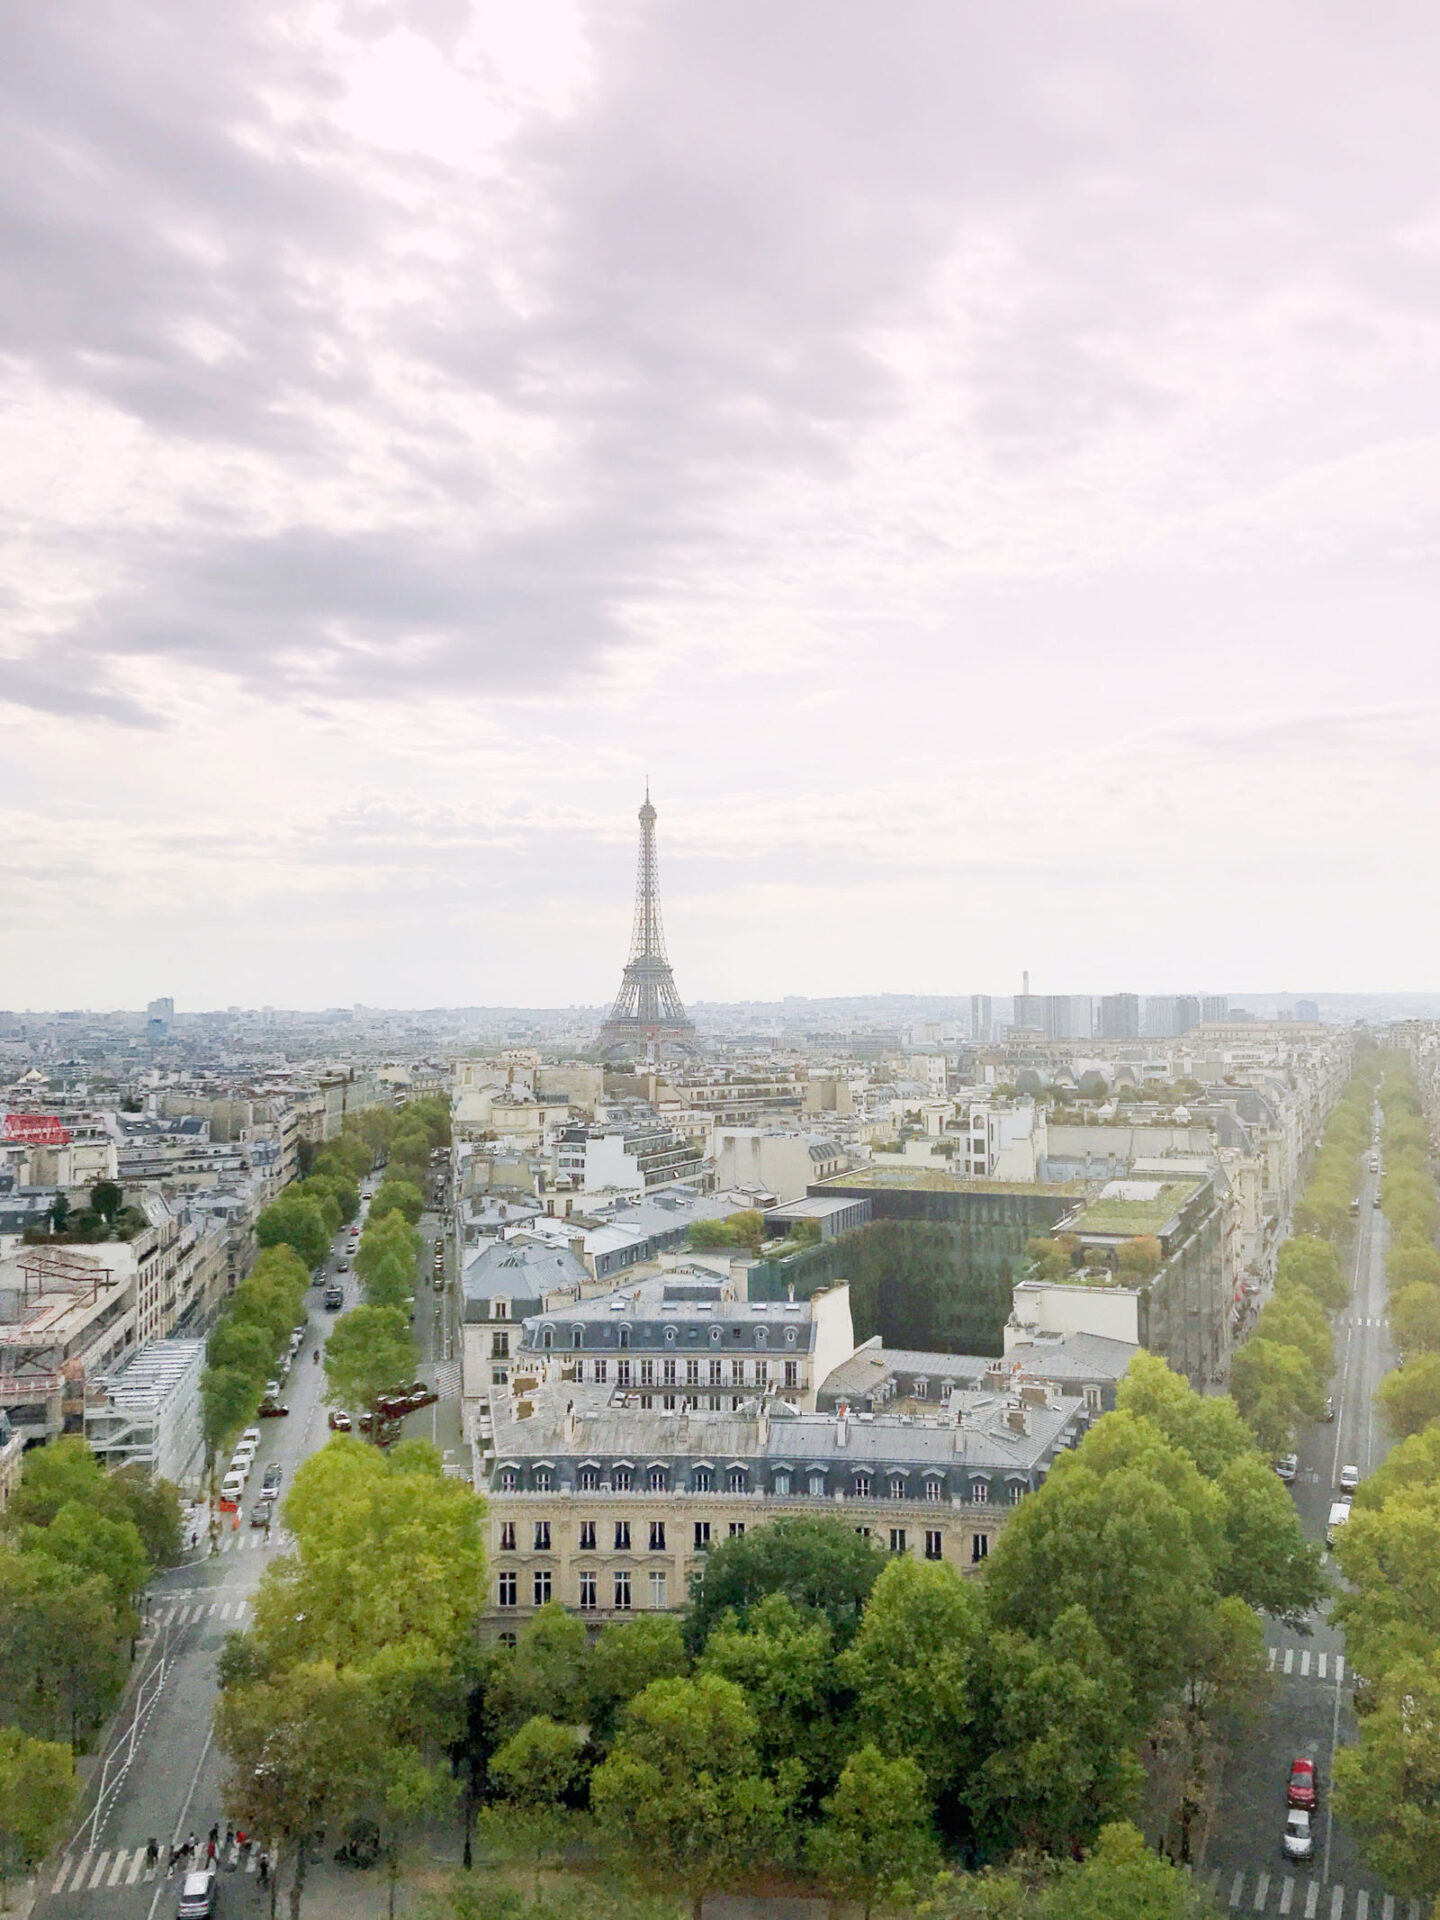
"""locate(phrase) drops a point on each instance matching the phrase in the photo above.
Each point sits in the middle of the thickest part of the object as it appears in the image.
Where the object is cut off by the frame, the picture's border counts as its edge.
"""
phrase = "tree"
(106, 1199)
(1050, 1723)
(1409, 1398)
(1140, 1257)
(398, 1196)
(1412, 1263)
(624, 1660)
(1415, 1318)
(37, 1787)
(909, 1664)
(874, 1843)
(1390, 1554)
(229, 1401)
(1124, 1876)
(1387, 1788)
(1274, 1387)
(1296, 1319)
(154, 1506)
(1314, 1264)
(62, 1650)
(1207, 1427)
(536, 1771)
(680, 1797)
(370, 1350)
(1268, 1563)
(110, 1550)
(546, 1676)
(821, 1563)
(295, 1221)
(784, 1662)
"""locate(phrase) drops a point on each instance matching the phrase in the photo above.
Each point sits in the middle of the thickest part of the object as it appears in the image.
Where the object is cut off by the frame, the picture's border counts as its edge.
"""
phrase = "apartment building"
(635, 1153)
(610, 1508)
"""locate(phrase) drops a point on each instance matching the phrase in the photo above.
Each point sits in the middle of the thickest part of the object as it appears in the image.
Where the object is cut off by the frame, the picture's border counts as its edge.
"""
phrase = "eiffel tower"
(648, 1017)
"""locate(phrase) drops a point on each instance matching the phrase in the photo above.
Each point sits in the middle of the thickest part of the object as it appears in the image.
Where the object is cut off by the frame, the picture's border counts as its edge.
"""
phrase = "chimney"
(1034, 1394)
(842, 1426)
(1017, 1419)
(577, 1247)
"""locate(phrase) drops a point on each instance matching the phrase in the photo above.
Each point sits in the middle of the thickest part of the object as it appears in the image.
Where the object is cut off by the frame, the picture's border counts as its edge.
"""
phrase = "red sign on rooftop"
(36, 1130)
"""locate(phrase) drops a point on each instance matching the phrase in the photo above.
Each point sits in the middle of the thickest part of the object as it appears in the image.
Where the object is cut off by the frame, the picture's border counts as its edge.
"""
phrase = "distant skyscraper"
(1029, 1009)
(1160, 1016)
(982, 1019)
(159, 1016)
(1307, 1010)
(648, 1016)
(1120, 1016)
(1187, 1012)
(1068, 1016)
(1215, 1007)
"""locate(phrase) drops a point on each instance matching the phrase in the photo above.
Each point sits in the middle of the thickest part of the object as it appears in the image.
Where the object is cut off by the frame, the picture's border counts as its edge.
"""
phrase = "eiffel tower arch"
(648, 1018)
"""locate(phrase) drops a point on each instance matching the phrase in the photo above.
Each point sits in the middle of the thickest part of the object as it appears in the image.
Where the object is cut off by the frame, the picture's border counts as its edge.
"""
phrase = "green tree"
(1124, 1876)
(62, 1649)
(1274, 1387)
(229, 1401)
(624, 1659)
(874, 1845)
(1409, 1398)
(295, 1221)
(1051, 1720)
(93, 1545)
(537, 1770)
(1207, 1427)
(909, 1664)
(370, 1350)
(106, 1199)
(547, 1676)
(1415, 1318)
(1387, 1788)
(1295, 1319)
(784, 1662)
(680, 1797)
(398, 1196)
(1313, 1264)
(1268, 1561)
(820, 1563)
(1412, 1263)
(37, 1788)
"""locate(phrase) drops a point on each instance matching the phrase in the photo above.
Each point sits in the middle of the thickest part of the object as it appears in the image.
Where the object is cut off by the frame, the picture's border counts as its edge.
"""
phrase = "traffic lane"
(1250, 1815)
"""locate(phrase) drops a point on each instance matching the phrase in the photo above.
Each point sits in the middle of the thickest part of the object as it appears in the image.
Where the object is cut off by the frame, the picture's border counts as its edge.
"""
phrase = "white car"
(1299, 1841)
(1287, 1466)
(250, 1437)
(1349, 1479)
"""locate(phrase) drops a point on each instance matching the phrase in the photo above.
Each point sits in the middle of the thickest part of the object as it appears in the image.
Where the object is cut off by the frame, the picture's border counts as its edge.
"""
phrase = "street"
(1311, 1710)
(159, 1775)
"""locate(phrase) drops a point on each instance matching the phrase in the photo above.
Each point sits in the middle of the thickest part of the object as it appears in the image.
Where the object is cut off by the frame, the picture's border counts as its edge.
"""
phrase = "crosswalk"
(1307, 1664)
(123, 1866)
(235, 1611)
(1362, 1320)
(252, 1540)
(1302, 1898)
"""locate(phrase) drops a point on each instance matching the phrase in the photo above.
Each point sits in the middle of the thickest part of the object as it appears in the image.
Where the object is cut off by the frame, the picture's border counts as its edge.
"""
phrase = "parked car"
(1287, 1466)
(1328, 1411)
(339, 1421)
(1376, 1201)
(272, 1410)
(1299, 1841)
(1349, 1479)
(232, 1486)
(263, 1511)
(274, 1473)
(1339, 1515)
(197, 1896)
(1301, 1790)
(250, 1433)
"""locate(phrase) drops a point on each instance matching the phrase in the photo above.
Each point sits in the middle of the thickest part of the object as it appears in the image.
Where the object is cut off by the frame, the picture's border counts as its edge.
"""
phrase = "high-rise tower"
(648, 1016)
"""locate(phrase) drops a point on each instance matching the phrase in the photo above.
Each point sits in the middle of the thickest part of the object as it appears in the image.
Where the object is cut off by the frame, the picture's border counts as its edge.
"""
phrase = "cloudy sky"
(981, 462)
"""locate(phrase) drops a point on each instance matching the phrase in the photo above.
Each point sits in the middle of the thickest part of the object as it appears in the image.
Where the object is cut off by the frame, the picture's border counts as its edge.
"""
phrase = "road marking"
(1320, 1663)
(1312, 1899)
(1235, 1887)
(1262, 1892)
(1362, 1904)
(98, 1874)
(65, 1866)
(1289, 1659)
(1339, 1668)
(225, 1611)
(1287, 1894)
(1387, 1907)
(134, 1874)
(1274, 1656)
(1305, 1663)
(1337, 1902)
(121, 1855)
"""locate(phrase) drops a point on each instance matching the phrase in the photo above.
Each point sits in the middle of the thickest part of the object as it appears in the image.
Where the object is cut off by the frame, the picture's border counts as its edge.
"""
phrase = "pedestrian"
(264, 1869)
(152, 1854)
(229, 1836)
(174, 1856)
(214, 1836)
(210, 1851)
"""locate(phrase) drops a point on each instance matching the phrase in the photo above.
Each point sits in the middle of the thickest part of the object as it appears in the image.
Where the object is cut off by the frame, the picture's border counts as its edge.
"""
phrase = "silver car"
(1299, 1841)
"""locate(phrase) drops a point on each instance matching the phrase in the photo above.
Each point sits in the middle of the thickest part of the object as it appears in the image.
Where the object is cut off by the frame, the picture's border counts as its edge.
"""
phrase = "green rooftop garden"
(1132, 1217)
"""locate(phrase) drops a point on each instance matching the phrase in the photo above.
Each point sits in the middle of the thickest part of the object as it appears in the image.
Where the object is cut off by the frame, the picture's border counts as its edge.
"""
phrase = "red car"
(1301, 1790)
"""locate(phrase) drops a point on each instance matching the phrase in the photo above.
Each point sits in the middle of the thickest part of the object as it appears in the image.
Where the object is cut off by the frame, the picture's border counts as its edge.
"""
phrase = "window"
(542, 1536)
(577, 1336)
(620, 1480)
(1017, 1492)
(717, 1372)
(762, 1372)
(499, 1377)
(647, 1373)
(980, 1492)
(737, 1373)
(542, 1479)
(862, 1486)
(737, 1529)
(647, 1399)
(702, 1480)
(622, 1593)
(782, 1484)
(702, 1536)
(624, 1336)
(500, 1309)
(588, 1480)
(792, 1373)
(897, 1539)
(657, 1536)
(507, 1536)
(817, 1486)
(657, 1592)
(622, 1373)
(587, 1536)
(589, 1599)
(1092, 1399)
(500, 1345)
(622, 1536)
(738, 1481)
(717, 1334)
(542, 1587)
(509, 1480)
(507, 1640)
(934, 1489)
(979, 1547)
(547, 1338)
(897, 1486)
(934, 1544)
(922, 1389)
(692, 1373)
(789, 1336)
(602, 1371)
(864, 1532)
(667, 1372)
(509, 1590)
(761, 1336)
(669, 1336)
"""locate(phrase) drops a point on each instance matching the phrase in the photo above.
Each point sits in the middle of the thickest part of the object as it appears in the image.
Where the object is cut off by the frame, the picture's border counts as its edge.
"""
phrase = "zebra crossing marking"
(1312, 1899)
(1287, 1893)
(98, 1874)
(1366, 1906)
(134, 1874)
(1289, 1659)
(1262, 1892)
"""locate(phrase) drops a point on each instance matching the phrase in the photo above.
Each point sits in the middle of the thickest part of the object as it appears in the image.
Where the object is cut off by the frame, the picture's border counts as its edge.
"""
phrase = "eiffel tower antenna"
(648, 1014)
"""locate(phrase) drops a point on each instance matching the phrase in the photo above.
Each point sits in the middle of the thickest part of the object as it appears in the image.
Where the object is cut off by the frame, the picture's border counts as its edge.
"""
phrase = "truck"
(1339, 1514)
(334, 1299)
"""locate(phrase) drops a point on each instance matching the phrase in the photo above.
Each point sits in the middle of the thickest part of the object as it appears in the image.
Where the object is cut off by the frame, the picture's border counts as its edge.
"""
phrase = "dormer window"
(669, 1336)
(500, 1309)
(761, 1337)
(717, 1334)
(624, 1336)
(789, 1336)
(547, 1338)
(577, 1336)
